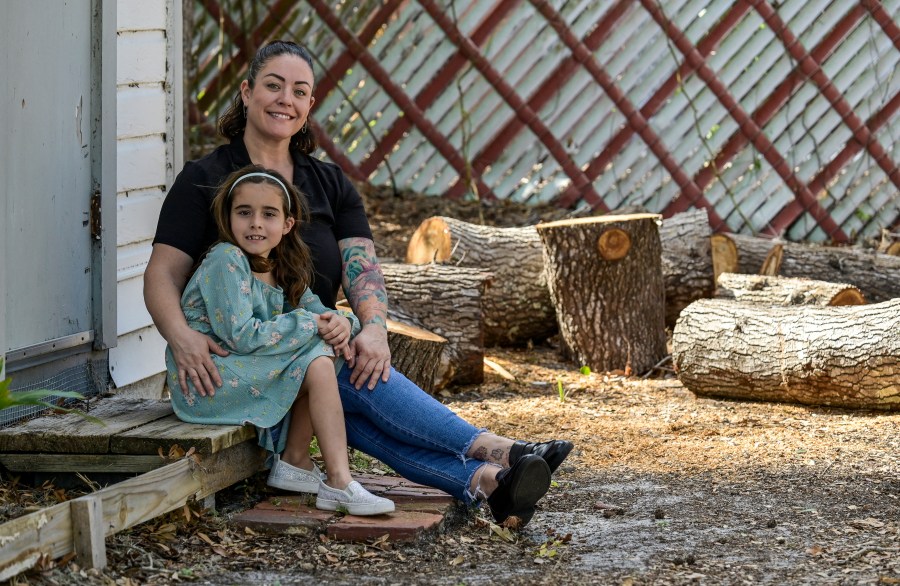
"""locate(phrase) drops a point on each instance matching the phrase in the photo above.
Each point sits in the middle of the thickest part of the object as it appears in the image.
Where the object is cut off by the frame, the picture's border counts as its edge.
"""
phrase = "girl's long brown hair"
(290, 262)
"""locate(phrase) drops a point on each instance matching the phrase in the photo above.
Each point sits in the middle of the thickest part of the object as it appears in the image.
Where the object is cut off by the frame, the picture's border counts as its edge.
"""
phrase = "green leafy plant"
(38, 398)
(585, 370)
(561, 390)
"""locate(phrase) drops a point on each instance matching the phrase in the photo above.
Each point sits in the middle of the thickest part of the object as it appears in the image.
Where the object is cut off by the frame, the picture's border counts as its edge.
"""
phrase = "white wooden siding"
(146, 124)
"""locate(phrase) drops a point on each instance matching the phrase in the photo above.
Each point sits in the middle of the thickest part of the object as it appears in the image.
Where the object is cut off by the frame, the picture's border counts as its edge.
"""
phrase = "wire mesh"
(89, 379)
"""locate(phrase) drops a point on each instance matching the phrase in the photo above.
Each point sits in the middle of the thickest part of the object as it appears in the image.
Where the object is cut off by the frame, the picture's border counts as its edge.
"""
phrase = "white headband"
(272, 177)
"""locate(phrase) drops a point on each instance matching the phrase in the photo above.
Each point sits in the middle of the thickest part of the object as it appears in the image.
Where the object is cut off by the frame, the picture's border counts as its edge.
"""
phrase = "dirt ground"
(663, 487)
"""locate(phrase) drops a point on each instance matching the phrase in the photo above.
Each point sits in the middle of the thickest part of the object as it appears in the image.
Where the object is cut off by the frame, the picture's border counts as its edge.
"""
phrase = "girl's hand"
(334, 329)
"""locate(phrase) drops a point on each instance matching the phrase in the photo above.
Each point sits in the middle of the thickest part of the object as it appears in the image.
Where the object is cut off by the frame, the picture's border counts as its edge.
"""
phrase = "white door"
(50, 76)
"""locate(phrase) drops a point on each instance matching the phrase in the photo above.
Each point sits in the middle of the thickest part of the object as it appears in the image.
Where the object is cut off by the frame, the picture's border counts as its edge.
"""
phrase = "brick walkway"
(419, 510)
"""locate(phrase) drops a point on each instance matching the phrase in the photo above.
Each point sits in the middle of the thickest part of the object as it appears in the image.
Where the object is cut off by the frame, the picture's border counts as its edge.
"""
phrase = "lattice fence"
(778, 117)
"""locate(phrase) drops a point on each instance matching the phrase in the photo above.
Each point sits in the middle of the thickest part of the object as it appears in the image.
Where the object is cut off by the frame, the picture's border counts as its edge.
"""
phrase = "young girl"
(251, 295)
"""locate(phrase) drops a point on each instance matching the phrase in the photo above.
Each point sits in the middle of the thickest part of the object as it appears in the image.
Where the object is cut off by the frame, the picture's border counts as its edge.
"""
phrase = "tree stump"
(687, 264)
(418, 355)
(447, 301)
(845, 356)
(605, 279)
(785, 291)
(517, 306)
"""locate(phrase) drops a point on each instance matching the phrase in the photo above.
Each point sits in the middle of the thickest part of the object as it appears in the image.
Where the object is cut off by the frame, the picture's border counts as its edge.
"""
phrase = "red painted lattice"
(516, 99)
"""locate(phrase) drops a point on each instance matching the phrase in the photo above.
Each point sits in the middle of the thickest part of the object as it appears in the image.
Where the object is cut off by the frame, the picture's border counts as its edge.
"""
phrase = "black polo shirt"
(336, 210)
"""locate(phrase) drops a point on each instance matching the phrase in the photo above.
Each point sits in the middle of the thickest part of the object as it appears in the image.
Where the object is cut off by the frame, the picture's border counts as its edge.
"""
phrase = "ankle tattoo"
(500, 456)
(480, 453)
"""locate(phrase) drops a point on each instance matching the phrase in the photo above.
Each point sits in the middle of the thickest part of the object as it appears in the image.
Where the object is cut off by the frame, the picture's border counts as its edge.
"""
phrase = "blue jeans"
(410, 431)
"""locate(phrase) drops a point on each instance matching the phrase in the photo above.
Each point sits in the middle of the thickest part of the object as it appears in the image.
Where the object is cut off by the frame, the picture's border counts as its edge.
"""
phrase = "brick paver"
(419, 510)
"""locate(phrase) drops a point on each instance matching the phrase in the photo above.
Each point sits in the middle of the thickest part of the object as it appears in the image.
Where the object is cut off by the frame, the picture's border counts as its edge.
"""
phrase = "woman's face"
(279, 102)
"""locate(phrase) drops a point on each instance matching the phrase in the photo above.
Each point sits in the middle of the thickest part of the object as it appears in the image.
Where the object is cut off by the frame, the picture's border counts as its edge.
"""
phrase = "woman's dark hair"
(233, 122)
(290, 261)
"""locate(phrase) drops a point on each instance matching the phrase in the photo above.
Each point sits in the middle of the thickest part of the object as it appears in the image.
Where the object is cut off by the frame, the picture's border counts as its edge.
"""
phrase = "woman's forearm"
(164, 281)
(363, 281)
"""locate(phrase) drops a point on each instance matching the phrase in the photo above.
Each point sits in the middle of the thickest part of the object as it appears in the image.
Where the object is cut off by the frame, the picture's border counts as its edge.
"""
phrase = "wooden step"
(134, 434)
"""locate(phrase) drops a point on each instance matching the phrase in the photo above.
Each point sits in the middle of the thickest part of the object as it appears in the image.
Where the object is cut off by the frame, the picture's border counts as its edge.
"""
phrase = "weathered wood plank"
(24, 540)
(163, 433)
(72, 434)
(49, 531)
(231, 465)
(84, 463)
(89, 540)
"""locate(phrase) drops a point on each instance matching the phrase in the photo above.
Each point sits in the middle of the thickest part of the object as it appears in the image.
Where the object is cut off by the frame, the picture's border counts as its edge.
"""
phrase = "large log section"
(605, 279)
(845, 356)
(785, 291)
(446, 300)
(417, 353)
(876, 275)
(517, 306)
(686, 261)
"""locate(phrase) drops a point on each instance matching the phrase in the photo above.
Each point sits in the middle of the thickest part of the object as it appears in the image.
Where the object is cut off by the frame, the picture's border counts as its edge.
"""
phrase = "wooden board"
(84, 463)
(163, 433)
(72, 434)
(49, 531)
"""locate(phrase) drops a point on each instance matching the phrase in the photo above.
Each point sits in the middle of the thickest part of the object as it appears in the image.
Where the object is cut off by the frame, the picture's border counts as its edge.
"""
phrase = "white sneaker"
(288, 477)
(354, 500)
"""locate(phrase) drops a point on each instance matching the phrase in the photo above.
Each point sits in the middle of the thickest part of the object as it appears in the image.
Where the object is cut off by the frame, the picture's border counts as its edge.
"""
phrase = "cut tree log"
(875, 274)
(606, 282)
(845, 356)
(738, 253)
(447, 301)
(724, 254)
(785, 291)
(416, 353)
(517, 306)
(687, 263)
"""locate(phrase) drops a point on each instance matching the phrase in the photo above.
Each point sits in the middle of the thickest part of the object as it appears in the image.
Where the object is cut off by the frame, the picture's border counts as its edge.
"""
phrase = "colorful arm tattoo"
(363, 281)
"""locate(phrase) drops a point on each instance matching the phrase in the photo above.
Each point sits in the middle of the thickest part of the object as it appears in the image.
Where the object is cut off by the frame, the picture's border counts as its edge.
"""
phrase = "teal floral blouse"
(271, 346)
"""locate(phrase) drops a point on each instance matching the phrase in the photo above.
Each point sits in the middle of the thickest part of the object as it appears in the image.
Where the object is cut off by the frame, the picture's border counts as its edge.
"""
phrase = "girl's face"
(258, 221)
(280, 101)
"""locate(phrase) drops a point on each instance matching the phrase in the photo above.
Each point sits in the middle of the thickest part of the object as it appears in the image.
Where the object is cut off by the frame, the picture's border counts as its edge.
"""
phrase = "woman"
(392, 419)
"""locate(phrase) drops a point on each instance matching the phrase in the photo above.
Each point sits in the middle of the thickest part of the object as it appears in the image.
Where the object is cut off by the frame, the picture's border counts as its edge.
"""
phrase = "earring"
(245, 110)
(303, 130)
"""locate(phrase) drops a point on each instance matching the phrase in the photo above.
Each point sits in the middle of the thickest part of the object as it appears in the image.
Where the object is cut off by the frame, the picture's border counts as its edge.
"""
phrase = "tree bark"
(785, 291)
(517, 306)
(840, 356)
(447, 301)
(687, 264)
(876, 275)
(605, 279)
(418, 355)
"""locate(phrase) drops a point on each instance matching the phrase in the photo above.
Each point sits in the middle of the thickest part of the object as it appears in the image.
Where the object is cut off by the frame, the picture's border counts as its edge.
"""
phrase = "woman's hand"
(191, 351)
(372, 357)
(164, 280)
